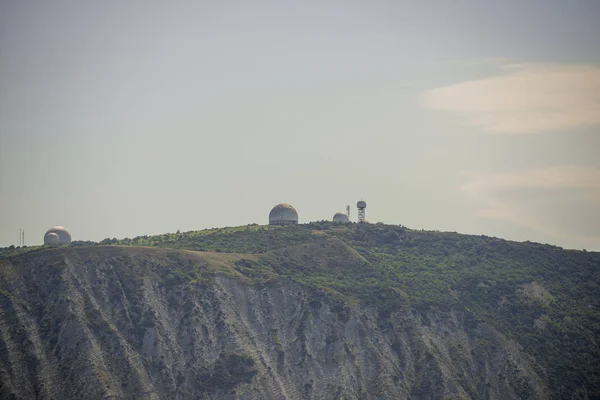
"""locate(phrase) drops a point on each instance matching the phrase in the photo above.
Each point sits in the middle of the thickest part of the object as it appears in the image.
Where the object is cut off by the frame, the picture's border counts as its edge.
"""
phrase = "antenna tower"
(348, 211)
(361, 205)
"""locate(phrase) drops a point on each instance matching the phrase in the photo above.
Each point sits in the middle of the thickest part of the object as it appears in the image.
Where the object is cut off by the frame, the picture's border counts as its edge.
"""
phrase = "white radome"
(52, 239)
(64, 237)
(283, 214)
(341, 217)
(361, 204)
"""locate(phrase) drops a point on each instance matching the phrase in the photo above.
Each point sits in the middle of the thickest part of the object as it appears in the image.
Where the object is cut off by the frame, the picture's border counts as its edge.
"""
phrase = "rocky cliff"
(109, 322)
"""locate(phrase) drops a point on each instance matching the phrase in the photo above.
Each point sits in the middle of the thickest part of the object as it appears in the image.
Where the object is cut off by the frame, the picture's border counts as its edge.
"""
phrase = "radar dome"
(283, 214)
(361, 204)
(340, 217)
(51, 239)
(63, 236)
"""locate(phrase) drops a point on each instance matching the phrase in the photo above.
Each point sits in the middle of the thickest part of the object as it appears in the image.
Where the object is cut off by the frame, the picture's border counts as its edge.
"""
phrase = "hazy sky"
(126, 118)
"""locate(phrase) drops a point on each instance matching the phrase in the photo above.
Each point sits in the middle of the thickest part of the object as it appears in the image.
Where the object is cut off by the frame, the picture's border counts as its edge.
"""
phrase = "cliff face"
(110, 322)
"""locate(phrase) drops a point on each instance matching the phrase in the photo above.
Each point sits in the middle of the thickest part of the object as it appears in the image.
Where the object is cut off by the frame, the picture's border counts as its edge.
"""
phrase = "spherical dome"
(361, 204)
(283, 214)
(340, 217)
(51, 239)
(63, 236)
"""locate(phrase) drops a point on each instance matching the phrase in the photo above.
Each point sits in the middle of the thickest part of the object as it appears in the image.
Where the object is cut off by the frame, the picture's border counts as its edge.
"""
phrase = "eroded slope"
(169, 324)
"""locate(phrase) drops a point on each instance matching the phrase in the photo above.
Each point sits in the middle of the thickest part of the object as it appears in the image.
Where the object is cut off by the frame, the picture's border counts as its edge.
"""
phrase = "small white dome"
(361, 204)
(51, 239)
(283, 214)
(63, 236)
(341, 217)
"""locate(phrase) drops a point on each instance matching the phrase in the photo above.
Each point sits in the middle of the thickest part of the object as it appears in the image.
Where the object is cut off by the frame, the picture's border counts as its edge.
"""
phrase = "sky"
(128, 118)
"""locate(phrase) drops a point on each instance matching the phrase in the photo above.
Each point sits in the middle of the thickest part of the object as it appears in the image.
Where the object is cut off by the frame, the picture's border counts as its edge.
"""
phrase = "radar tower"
(361, 205)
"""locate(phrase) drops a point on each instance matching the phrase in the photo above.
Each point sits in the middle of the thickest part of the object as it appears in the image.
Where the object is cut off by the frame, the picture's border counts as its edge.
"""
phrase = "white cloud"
(560, 202)
(530, 98)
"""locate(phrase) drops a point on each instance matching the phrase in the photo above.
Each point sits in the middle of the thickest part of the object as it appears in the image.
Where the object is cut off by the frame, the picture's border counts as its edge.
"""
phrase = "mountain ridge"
(416, 289)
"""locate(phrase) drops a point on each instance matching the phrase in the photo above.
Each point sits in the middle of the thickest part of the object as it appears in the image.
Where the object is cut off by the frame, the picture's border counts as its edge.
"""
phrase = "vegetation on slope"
(13, 251)
(245, 239)
(543, 296)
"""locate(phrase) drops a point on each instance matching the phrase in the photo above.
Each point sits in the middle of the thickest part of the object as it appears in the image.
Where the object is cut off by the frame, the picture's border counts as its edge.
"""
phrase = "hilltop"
(308, 311)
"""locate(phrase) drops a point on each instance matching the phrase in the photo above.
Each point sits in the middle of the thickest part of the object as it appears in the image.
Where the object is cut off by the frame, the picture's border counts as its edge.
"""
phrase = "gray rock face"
(79, 324)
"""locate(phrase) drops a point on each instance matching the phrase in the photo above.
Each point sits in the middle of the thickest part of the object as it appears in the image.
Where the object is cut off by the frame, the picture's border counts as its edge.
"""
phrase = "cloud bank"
(530, 98)
(562, 202)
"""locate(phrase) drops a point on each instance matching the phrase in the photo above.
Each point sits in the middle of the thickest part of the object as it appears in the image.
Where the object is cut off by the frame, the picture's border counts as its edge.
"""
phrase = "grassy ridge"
(251, 239)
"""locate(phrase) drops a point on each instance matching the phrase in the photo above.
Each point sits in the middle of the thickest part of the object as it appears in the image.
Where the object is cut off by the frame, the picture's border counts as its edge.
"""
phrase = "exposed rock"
(106, 322)
(536, 293)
